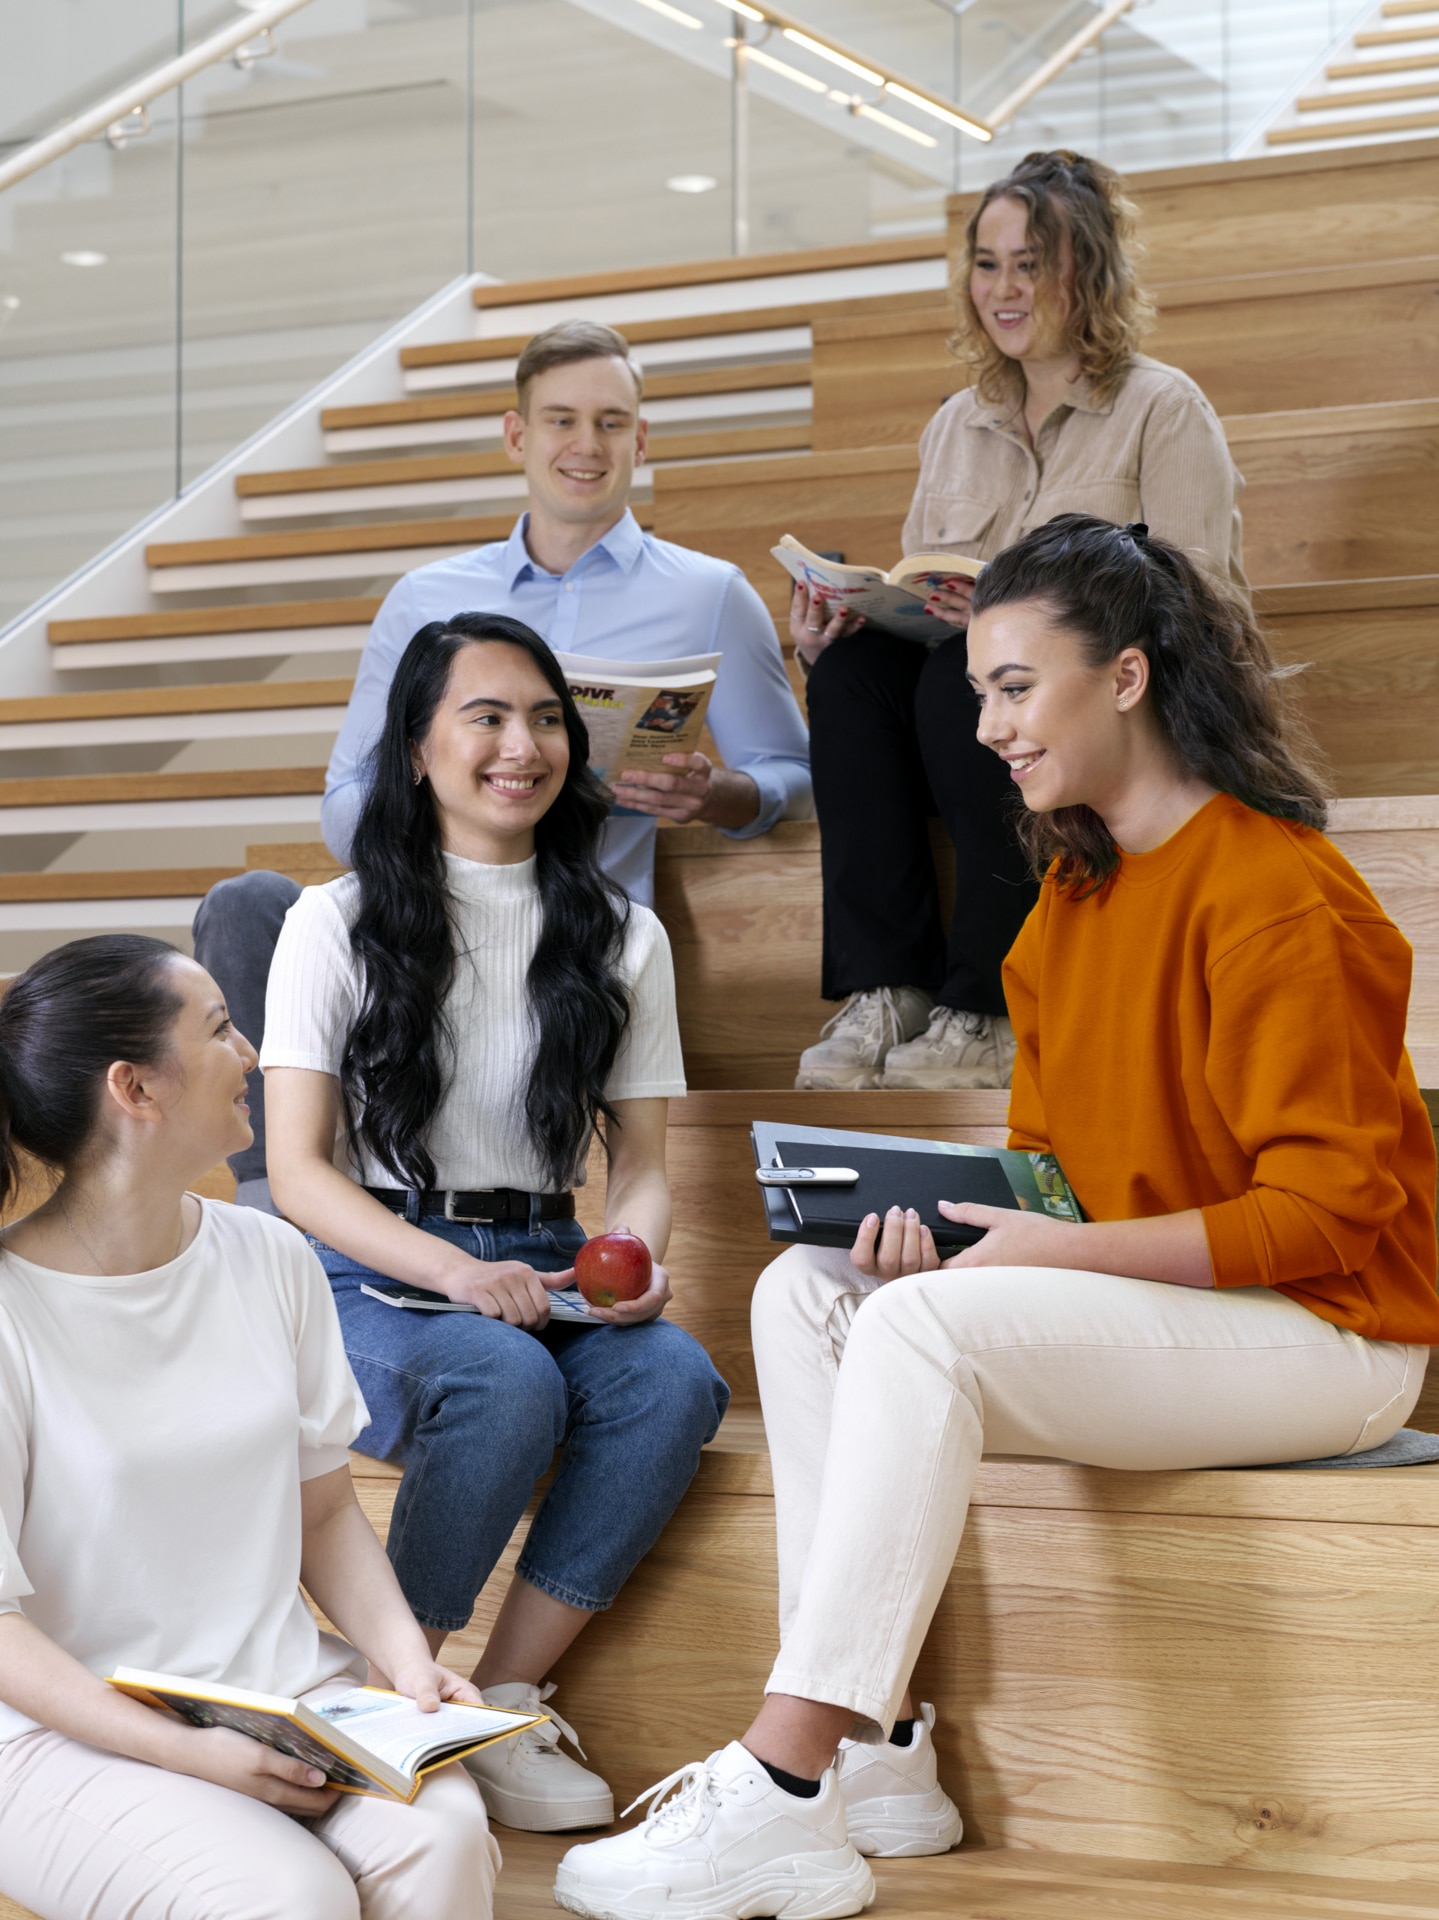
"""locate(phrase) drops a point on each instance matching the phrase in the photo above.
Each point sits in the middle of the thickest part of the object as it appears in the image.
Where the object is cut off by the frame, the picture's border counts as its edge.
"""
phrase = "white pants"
(879, 1400)
(89, 1835)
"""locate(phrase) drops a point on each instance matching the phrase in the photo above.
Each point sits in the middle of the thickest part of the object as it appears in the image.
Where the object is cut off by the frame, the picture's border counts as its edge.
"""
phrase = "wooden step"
(699, 273)
(464, 406)
(1199, 1668)
(275, 628)
(256, 709)
(1393, 9)
(145, 884)
(1012, 1883)
(1399, 63)
(1284, 211)
(385, 550)
(93, 789)
(1396, 36)
(441, 479)
(1365, 97)
(1354, 129)
(694, 351)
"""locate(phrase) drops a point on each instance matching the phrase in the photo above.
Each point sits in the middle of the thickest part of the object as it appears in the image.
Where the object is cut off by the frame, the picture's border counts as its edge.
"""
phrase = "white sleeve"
(332, 1408)
(650, 1064)
(313, 998)
(14, 1469)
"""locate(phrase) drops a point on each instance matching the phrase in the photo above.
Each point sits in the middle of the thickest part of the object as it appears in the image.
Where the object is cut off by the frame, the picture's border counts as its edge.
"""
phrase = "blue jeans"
(473, 1410)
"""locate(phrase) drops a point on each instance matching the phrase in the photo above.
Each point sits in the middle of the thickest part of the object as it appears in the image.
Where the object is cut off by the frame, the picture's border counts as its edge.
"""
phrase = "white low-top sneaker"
(894, 1805)
(727, 1844)
(526, 1782)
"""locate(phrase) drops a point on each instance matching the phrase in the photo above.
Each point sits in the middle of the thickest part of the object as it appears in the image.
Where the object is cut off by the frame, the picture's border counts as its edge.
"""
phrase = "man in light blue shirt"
(579, 570)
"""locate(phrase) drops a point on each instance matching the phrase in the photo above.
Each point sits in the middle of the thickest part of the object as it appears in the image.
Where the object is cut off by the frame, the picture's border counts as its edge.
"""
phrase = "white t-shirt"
(478, 1138)
(154, 1431)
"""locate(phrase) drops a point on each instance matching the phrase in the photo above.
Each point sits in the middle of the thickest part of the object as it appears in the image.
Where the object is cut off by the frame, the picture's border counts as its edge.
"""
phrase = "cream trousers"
(879, 1401)
(89, 1835)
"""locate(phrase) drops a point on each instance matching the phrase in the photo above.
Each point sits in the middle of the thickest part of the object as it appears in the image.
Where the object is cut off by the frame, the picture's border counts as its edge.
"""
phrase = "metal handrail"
(139, 93)
(1057, 62)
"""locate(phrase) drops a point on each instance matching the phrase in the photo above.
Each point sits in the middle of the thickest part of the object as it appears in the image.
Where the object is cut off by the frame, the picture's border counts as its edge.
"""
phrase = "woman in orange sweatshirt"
(1209, 1005)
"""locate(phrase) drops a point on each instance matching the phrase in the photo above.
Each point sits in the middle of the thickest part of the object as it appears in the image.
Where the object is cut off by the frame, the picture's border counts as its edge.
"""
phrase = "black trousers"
(892, 742)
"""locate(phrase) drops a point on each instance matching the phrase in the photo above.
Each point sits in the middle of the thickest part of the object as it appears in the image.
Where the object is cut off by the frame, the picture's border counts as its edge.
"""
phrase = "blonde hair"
(1066, 197)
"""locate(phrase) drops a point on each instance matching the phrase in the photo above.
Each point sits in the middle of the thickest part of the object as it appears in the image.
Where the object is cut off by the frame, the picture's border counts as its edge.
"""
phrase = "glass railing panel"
(88, 356)
(325, 196)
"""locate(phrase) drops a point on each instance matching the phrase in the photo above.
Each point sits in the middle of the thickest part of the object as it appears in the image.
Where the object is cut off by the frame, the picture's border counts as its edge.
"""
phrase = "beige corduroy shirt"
(1156, 452)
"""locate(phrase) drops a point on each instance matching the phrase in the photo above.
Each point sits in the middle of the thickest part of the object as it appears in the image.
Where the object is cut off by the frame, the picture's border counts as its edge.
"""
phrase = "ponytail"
(63, 1024)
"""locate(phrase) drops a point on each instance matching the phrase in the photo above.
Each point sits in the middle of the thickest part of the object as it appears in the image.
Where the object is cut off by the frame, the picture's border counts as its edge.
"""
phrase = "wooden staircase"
(1381, 84)
(1160, 1695)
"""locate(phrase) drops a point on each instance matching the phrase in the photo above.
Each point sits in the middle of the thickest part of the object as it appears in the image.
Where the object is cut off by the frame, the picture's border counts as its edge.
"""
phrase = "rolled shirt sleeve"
(753, 714)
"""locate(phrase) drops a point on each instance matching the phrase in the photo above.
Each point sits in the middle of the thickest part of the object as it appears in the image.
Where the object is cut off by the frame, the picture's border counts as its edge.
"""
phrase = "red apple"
(613, 1267)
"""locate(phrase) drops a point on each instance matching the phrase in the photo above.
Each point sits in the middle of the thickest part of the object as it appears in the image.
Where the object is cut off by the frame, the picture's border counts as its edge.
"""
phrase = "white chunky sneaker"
(852, 1048)
(726, 1845)
(526, 1782)
(893, 1802)
(957, 1050)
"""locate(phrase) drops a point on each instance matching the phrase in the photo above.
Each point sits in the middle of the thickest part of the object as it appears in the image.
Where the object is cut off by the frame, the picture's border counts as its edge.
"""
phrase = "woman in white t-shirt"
(457, 1015)
(175, 1409)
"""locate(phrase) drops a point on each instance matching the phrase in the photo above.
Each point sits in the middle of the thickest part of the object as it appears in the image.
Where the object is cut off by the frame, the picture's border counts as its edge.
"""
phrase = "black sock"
(792, 1782)
(903, 1734)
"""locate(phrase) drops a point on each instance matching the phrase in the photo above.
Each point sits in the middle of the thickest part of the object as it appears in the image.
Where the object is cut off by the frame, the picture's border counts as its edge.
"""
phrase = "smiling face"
(198, 1089)
(495, 755)
(1025, 321)
(1071, 734)
(578, 441)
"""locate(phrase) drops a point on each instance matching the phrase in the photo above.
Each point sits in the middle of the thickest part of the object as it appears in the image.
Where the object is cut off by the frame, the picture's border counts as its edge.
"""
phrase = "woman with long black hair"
(460, 1013)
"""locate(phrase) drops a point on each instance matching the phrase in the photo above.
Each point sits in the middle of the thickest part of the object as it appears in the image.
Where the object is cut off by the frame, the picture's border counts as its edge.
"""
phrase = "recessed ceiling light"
(691, 182)
(84, 257)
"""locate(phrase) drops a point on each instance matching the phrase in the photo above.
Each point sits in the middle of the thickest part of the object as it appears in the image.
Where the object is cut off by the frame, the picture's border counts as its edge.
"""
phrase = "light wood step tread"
(680, 326)
(271, 616)
(114, 703)
(166, 883)
(1366, 97)
(462, 531)
(1012, 1883)
(476, 466)
(1398, 63)
(96, 789)
(663, 386)
(699, 273)
(1394, 123)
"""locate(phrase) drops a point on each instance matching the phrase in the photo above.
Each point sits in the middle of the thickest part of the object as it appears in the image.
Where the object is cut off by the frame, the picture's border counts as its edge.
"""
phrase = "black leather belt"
(498, 1206)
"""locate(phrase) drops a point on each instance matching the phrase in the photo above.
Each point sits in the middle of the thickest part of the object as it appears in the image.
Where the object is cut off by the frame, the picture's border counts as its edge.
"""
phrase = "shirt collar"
(1082, 399)
(622, 546)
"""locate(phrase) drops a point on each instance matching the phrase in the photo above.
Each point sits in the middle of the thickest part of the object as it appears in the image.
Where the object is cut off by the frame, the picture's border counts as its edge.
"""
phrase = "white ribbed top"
(478, 1138)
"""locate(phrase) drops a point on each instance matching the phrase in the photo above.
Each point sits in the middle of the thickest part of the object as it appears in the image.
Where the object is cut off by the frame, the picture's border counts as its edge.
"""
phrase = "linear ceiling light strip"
(825, 47)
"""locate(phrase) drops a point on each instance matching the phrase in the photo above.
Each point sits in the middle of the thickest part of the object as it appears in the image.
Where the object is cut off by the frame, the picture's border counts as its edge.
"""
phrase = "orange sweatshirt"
(1222, 1027)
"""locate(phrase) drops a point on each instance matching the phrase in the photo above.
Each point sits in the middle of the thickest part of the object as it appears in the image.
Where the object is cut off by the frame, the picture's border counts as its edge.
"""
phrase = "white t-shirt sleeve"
(650, 1064)
(313, 998)
(14, 1466)
(332, 1408)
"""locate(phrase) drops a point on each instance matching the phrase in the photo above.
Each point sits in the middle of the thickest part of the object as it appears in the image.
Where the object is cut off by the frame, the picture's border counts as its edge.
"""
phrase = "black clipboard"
(908, 1174)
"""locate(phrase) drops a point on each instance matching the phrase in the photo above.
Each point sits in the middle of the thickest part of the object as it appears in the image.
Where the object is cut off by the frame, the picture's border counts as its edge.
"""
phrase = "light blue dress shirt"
(628, 597)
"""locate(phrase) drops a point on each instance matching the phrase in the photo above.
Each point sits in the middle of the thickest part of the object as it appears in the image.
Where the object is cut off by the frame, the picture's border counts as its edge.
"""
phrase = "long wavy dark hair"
(397, 1063)
(1214, 686)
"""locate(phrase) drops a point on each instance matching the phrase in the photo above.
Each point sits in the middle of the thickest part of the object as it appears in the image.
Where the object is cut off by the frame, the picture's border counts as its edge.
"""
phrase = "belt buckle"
(465, 1219)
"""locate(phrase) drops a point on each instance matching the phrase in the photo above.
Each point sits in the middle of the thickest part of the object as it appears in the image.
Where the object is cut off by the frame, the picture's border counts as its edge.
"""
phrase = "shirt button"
(570, 585)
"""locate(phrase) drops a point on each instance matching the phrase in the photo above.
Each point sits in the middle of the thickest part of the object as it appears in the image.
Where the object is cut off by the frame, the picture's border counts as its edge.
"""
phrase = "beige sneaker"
(957, 1050)
(526, 1782)
(852, 1048)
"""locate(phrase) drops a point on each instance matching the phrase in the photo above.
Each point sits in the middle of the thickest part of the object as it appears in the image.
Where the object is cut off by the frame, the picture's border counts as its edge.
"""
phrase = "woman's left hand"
(1015, 1238)
(428, 1684)
(649, 1306)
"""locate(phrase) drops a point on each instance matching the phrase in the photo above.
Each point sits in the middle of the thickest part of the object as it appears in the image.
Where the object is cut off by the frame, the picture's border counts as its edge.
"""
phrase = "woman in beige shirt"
(1064, 416)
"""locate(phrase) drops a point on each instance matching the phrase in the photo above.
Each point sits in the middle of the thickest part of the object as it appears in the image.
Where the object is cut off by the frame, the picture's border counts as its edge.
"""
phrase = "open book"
(893, 601)
(637, 711)
(364, 1740)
